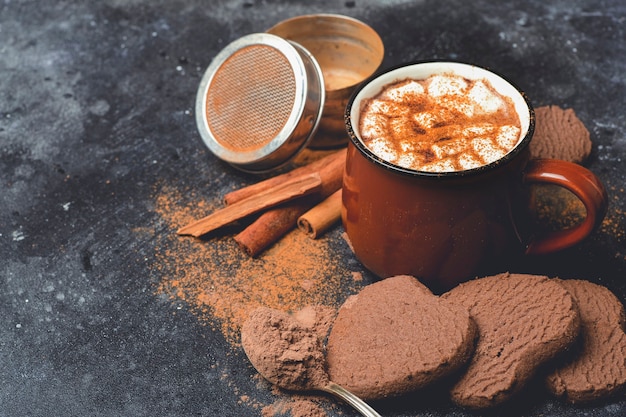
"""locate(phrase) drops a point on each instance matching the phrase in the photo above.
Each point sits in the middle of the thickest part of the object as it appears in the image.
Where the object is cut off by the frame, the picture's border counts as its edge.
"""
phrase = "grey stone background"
(96, 108)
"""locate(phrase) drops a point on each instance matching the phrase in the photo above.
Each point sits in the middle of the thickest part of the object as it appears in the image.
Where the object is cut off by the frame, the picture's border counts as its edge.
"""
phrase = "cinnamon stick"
(271, 226)
(322, 165)
(276, 222)
(321, 217)
(295, 187)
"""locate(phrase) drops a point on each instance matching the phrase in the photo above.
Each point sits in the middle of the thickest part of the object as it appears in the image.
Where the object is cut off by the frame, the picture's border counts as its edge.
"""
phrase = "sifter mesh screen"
(250, 98)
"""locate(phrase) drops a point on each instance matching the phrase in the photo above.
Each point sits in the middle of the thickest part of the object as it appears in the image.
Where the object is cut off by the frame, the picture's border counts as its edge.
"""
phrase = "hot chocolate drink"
(443, 123)
(468, 214)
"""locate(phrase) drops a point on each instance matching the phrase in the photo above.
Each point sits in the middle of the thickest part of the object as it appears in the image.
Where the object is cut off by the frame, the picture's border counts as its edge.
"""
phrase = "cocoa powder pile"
(283, 351)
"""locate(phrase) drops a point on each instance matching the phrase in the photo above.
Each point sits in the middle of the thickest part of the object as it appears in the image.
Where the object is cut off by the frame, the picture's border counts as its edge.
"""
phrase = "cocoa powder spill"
(614, 224)
(558, 209)
(222, 285)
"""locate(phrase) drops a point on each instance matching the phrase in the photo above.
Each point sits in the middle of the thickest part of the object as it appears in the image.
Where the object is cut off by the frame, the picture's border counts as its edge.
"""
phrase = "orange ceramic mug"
(445, 227)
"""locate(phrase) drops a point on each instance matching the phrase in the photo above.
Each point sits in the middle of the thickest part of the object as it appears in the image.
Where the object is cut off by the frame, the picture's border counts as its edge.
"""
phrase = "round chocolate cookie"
(396, 336)
(598, 369)
(523, 322)
(559, 134)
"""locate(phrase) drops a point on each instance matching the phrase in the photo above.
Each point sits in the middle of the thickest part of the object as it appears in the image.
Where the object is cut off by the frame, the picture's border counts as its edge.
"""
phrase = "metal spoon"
(358, 404)
(289, 355)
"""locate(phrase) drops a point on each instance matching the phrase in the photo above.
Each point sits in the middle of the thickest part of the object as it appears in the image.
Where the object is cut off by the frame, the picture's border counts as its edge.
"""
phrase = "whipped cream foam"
(444, 123)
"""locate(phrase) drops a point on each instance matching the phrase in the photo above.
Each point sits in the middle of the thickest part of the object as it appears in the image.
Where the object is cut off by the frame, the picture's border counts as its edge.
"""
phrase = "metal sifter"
(260, 102)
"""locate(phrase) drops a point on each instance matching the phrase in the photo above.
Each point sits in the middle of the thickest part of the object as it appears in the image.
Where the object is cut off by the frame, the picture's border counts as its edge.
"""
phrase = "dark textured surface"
(96, 110)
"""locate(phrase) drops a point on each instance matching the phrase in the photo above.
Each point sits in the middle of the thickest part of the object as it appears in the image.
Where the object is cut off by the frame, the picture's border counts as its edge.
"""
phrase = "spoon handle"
(351, 399)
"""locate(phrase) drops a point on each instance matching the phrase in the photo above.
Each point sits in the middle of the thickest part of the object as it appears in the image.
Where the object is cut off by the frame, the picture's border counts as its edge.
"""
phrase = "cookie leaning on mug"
(523, 322)
(560, 134)
(598, 369)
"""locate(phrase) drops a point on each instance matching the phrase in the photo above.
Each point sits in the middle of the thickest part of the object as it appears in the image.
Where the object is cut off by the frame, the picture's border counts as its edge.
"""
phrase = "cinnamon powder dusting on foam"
(221, 285)
(440, 124)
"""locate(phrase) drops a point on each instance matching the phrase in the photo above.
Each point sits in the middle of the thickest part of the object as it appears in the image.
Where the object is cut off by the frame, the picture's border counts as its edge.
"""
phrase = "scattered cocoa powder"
(222, 285)
(557, 208)
(357, 276)
(298, 407)
(614, 223)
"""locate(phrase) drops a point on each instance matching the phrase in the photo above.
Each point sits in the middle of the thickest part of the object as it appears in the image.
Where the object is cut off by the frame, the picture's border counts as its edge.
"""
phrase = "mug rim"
(364, 150)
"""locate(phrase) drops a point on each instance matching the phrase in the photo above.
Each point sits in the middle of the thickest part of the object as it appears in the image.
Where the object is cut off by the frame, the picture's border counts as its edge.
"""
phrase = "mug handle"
(584, 185)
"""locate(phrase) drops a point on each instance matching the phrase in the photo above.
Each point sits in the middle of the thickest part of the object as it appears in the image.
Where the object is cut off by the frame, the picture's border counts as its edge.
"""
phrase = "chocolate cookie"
(599, 368)
(559, 134)
(395, 336)
(523, 322)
